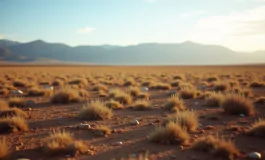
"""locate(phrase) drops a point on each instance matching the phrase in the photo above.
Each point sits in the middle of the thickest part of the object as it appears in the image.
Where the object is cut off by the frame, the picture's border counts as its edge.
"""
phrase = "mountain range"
(142, 54)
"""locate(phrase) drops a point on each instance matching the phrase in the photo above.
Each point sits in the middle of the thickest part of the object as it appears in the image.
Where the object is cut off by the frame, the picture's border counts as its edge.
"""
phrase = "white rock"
(242, 115)
(254, 155)
(144, 89)
(118, 143)
(16, 92)
(196, 103)
(200, 125)
(48, 87)
(83, 126)
(135, 122)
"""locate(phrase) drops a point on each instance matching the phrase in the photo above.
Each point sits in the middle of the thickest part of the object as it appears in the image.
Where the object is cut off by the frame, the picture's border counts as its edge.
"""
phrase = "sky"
(236, 24)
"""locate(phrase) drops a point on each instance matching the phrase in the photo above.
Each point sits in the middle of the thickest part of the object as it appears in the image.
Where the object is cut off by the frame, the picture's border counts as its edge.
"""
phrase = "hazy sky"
(237, 24)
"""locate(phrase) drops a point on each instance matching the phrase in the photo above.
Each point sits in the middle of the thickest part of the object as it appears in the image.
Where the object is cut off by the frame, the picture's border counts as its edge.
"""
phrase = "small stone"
(29, 109)
(200, 125)
(135, 122)
(84, 126)
(196, 103)
(118, 143)
(254, 155)
(242, 115)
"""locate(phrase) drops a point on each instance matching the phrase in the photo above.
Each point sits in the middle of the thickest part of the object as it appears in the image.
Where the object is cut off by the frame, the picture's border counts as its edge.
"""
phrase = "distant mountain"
(147, 53)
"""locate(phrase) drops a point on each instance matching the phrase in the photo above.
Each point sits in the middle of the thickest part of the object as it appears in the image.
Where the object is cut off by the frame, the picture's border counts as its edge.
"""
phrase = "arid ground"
(123, 89)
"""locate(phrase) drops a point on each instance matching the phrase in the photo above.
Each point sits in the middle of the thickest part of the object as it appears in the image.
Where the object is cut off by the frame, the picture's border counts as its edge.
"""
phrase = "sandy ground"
(46, 117)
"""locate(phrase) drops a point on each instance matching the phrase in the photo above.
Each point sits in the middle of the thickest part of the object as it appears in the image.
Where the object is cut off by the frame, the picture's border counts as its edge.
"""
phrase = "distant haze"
(186, 53)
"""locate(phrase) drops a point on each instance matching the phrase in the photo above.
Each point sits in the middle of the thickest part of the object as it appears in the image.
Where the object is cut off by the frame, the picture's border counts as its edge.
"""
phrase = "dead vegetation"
(65, 96)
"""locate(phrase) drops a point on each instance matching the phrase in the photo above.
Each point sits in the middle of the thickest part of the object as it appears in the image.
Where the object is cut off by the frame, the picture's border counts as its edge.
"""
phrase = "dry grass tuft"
(4, 91)
(112, 104)
(4, 104)
(188, 93)
(100, 87)
(143, 95)
(174, 103)
(61, 143)
(256, 84)
(13, 124)
(172, 133)
(123, 97)
(205, 144)
(65, 96)
(219, 86)
(141, 105)
(260, 100)
(95, 110)
(179, 77)
(186, 119)
(79, 81)
(102, 130)
(212, 79)
(39, 92)
(13, 112)
(20, 83)
(134, 91)
(129, 82)
(161, 86)
(257, 129)
(58, 82)
(176, 83)
(4, 149)
(17, 102)
(237, 104)
(214, 100)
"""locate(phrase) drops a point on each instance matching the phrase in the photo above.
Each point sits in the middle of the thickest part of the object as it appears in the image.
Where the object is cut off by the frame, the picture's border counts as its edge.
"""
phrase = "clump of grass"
(65, 96)
(4, 91)
(233, 83)
(83, 93)
(4, 149)
(143, 95)
(112, 104)
(172, 133)
(123, 97)
(99, 87)
(61, 143)
(102, 93)
(256, 84)
(161, 86)
(212, 79)
(79, 81)
(13, 112)
(187, 93)
(246, 92)
(139, 157)
(174, 103)
(58, 82)
(44, 83)
(260, 100)
(17, 102)
(148, 83)
(219, 86)
(13, 124)
(257, 129)
(179, 77)
(204, 95)
(237, 104)
(39, 92)
(218, 147)
(95, 110)
(134, 91)
(3, 104)
(214, 100)
(186, 119)
(102, 130)
(176, 83)
(141, 105)
(129, 82)
(20, 83)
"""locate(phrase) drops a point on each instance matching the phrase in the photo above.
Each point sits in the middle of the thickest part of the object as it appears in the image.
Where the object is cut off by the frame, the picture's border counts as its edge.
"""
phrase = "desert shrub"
(99, 87)
(4, 91)
(237, 104)
(212, 79)
(260, 100)
(17, 102)
(13, 124)
(143, 95)
(102, 130)
(123, 97)
(4, 149)
(176, 83)
(114, 105)
(65, 96)
(172, 133)
(257, 129)
(95, 110)
(39, 92)
(83, 93)
(179, 77)
(204, 95)
(233, 83)
(218, 147)
(3, 104)
(141, 105)
(134, 91)
(214, 100)
(185, 85)
(20, 83)
(129, 82)
(147, 83)
(186, 119)
(79, 81)
(58, 82)
(44, 83)
(13, 112)
(256, 84)
(161, 86)
(174, 103)
(220, 86)
(102, 93)
(61, 143)
(187, 93)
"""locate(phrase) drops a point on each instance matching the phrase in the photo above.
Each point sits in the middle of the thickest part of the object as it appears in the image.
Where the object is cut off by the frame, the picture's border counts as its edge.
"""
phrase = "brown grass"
(174, 103)
(99, 87)
(102, 130)
(4, 104)
(212, 79)
(161, 86)
(214, 100)
(257, 129)
(176, 83)
(65, 96)
(58, 82)
(187, 93)
(20, 83)
(4, 149)
(260, 100)
(112, 104)
(123, 97)
(186, 119)
(39, 92)
(237, 104)
(172, 133)
(256, 84)
(4, 91)
(61, 143)
(17, 102)
(95, 110)
(220, 86)
(13, 112)
(143, 95)
(79, 81)
(129, 82)
(141, 105)
(134, 91)
(13, 124)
